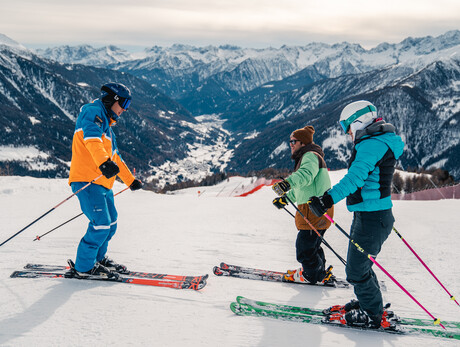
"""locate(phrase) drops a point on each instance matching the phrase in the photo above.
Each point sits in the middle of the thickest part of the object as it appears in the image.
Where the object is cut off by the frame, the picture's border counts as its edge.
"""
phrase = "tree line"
(420, 180)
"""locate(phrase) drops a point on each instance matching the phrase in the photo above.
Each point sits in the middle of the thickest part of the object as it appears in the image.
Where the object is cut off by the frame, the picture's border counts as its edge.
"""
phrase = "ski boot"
(294, 276)
(352, 305)
(113, 266)
(98, 271)
(361, 318)
(352, 315)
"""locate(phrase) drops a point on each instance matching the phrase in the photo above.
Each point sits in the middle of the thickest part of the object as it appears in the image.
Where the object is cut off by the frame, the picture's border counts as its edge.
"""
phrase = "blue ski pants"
(97, 204)
(369, 230)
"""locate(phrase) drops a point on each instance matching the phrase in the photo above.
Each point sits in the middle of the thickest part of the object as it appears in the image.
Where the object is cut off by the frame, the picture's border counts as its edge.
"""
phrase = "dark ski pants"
(369, 230)
(97, 204)
(311, 255)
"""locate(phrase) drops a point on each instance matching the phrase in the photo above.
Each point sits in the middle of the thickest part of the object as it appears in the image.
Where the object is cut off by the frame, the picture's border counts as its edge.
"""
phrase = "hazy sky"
(135, 24)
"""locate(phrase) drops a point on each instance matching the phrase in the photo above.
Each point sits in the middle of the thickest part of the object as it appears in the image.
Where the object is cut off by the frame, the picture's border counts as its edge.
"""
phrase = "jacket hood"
(95, 103)
(311, 147)
(109, 114)
(384, 132)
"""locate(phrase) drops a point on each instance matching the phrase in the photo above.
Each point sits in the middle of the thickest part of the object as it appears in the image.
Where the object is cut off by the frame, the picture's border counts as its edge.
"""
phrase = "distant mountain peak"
(5, 40)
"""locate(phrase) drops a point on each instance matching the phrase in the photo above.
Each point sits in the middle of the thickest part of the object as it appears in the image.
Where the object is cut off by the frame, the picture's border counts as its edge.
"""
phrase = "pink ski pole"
(436, 321)
(426, 267)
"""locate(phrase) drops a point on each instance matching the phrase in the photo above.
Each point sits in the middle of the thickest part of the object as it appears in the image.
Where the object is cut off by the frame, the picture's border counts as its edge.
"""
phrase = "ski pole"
(316, 231)
(288, 212)
(71, 219)
(436, 321)
(426, 267)
(52, 209)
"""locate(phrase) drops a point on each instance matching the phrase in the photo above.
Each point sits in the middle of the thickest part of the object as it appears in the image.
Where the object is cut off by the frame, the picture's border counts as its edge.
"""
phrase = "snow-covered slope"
(206, 153)
(6, 41)
(187, 234)
(87, 55)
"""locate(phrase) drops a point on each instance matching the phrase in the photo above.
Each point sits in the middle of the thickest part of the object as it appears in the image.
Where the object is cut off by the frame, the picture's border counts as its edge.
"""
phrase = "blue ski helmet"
(112, 92)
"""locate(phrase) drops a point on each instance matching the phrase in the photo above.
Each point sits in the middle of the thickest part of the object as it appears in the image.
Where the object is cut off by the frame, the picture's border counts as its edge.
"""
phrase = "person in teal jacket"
(367, 188)
(310, 178)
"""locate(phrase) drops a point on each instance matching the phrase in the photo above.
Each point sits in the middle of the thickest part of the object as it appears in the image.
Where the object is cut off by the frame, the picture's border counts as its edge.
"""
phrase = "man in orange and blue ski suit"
(95, 152)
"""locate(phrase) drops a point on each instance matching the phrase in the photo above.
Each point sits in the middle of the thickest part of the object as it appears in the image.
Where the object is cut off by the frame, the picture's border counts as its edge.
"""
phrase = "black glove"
(320, 205)
(109, 168)
(136, 185)
(280, 202)
(281, 188)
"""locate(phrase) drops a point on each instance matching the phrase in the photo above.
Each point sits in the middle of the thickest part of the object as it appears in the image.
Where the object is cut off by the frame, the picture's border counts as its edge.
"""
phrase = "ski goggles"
(347, 122)
(124, 103)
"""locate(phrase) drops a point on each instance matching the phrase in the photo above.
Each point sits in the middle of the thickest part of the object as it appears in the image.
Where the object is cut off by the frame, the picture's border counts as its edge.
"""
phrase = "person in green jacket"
(310, 178)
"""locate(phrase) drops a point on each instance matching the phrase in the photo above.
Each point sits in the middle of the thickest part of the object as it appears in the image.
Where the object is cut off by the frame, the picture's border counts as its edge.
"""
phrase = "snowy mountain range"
(189, 73)
(41, 99)
(257, 97)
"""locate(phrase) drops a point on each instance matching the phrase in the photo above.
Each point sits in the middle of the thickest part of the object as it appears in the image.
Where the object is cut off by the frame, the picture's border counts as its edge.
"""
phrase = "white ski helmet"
(357, 116)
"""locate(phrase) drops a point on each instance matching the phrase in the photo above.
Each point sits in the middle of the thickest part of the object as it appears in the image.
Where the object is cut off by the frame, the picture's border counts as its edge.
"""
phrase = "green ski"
(299, 314)
(305, 310)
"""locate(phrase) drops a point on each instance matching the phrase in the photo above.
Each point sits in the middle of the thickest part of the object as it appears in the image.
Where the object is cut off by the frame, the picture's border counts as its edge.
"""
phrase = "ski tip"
(225, 266)
(217, 271)
(15, 274)
(239, 298)
(236, 308)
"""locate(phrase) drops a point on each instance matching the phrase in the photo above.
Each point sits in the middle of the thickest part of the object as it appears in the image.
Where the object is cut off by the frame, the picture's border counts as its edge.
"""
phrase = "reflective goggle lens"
(347, 122)
(344, 126)
(124, 103)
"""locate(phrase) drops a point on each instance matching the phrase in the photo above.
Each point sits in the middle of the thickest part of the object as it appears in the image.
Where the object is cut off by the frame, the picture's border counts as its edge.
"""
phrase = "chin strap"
(110, 114)
(113, 116)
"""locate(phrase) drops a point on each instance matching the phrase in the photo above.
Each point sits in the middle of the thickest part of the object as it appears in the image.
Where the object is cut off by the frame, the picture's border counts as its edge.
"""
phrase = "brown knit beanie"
(305, 135)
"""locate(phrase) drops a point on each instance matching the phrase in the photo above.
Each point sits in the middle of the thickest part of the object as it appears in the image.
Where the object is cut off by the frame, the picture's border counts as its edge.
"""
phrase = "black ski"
(266, 275)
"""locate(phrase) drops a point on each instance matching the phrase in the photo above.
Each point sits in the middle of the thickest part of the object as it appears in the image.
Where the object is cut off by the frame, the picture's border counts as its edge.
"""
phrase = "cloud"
(248, 23)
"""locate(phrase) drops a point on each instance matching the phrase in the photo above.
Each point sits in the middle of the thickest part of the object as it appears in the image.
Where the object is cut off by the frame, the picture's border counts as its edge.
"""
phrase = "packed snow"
(187, 233)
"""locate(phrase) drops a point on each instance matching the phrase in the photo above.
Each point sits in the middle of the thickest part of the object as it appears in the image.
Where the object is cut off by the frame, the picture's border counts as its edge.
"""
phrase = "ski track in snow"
(188, 233)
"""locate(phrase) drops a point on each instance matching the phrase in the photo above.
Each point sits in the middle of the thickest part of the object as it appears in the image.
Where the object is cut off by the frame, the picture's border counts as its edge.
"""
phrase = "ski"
(197, 284)
(257, 311)
(62, 268)
(305, 310)
(267, 275)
